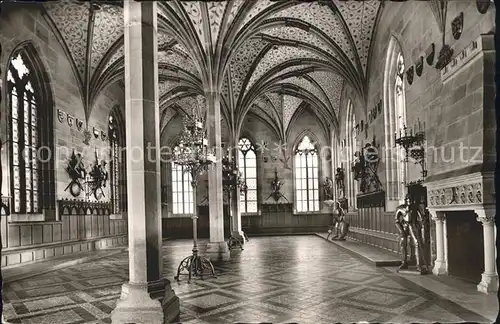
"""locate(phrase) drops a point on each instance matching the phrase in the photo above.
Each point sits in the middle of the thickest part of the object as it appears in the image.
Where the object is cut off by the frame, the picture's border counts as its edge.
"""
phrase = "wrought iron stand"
(232, 241)
(194, 264)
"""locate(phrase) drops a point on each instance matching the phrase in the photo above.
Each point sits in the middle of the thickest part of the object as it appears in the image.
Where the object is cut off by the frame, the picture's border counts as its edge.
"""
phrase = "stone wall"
(78, 230)
(270, 158)
(454, 111)
(456, 104)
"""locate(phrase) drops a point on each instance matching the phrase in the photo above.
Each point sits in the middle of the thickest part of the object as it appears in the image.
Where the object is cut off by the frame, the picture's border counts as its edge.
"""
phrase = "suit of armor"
(408, 220)
(340, 226)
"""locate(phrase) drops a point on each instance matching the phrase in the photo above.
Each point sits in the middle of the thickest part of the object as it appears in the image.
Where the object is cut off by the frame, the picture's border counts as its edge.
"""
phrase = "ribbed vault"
(268, 56)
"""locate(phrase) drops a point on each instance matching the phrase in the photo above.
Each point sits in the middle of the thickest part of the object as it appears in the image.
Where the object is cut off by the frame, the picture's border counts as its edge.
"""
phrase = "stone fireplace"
(455, 204)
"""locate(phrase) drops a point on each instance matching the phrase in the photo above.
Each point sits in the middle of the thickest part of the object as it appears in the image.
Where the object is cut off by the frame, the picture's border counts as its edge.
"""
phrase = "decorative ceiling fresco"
(290, 106)
(248, 51)
(89, 34)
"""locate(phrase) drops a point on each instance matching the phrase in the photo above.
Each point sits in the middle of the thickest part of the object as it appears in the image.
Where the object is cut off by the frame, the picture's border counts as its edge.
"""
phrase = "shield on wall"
(482, 6)
(409, 75)
(60, 115)
(70, 120)
(457, 26)
(419, 66)
(79, 124)
(430, 53)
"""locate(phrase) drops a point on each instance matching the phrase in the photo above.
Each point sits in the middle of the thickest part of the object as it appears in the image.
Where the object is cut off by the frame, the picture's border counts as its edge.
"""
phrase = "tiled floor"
(292, 279)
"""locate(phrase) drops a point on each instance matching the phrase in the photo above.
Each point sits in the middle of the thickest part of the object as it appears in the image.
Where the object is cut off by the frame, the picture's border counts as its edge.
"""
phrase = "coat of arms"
(409, 75)
(71, 120)
(457, 26)
(79, 124)
(60, 115)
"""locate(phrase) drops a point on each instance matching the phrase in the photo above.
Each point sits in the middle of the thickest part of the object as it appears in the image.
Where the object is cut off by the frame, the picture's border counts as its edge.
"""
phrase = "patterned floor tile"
(389, 299)
(292, 279)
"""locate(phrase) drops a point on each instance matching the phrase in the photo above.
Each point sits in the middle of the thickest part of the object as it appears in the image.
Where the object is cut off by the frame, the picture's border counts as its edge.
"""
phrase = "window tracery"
(25, 137)
(182, 190)
(306, 176)
(248, 167)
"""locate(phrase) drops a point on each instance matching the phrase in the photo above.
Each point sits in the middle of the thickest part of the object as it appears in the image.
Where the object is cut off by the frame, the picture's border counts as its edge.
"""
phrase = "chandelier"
(193, 155)
(232, 178)
(192, 151)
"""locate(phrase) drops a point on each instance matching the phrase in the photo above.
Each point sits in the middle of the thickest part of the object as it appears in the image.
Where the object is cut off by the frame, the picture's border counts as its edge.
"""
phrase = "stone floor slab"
(302, 279)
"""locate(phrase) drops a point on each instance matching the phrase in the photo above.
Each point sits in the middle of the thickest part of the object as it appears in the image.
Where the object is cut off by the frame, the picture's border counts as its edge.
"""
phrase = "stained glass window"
(306, 177)
(23, 101)
(248, 168)
(182, 191)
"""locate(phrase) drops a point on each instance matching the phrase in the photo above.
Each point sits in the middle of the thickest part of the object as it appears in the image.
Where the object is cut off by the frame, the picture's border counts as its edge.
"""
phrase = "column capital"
(485, 215)
(437, 215)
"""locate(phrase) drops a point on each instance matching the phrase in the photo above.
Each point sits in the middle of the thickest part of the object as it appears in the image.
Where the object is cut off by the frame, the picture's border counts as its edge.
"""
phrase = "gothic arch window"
(31, 149)
(247, 163)
(306, 176)
(182, 190)
(351, 148)
(395, 119)
(118, 166)
(400, 114)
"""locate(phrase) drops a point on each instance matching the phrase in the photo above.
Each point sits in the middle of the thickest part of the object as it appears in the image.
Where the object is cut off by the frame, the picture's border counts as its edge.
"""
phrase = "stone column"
(489, 278)
(235, 201)
(440, 262)
(147, 297)
(217, 248)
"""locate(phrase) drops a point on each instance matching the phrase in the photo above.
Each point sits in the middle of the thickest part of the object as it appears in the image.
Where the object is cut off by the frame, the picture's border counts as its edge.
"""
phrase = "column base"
(488, 284)
(217, 251)
(169, 300)
(439, 268)
(136, 304)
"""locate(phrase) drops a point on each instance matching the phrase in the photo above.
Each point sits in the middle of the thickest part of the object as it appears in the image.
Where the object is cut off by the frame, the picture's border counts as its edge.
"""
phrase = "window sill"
(180, 215)
(45, 216)
(251, 214)
(122, 215)
(319, 212)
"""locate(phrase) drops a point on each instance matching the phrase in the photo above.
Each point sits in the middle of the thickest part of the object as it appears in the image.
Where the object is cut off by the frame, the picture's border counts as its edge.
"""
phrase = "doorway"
(465, 246)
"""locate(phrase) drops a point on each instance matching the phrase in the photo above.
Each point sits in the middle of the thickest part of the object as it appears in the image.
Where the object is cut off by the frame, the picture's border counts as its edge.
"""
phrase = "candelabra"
(412, 142)
(192, 154)
(232, 180)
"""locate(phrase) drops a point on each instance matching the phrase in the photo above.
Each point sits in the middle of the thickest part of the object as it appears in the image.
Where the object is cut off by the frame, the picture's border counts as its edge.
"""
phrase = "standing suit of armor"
(340, 226)
(408, 220)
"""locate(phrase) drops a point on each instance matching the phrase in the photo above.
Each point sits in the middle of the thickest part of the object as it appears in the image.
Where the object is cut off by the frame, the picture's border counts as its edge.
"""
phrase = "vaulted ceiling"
(267, 57)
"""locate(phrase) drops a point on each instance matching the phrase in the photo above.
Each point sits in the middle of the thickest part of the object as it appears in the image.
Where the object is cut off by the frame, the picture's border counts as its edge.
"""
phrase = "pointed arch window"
(306, 177)
(247, 162)
(400, 114)
(182, 190)
(118, 166)
(351, 136)
(26, 186)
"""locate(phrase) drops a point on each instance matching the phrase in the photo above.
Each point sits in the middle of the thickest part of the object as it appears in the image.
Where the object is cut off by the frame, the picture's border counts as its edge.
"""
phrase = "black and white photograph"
(248, 161)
